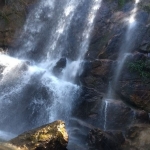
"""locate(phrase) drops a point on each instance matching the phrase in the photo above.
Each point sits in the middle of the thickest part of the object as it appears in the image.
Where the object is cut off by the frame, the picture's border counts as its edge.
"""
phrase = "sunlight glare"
(137, 1)
(68, 10)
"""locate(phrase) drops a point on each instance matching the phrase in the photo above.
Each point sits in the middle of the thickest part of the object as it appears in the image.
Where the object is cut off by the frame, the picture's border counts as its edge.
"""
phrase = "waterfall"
(125, 49)
(35, 87)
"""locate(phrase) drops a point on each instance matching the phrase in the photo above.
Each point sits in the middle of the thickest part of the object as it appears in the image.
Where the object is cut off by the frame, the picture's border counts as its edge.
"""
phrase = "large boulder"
(52, 136)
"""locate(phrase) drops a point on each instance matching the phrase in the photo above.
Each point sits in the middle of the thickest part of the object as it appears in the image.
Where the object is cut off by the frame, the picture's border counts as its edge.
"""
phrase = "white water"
(31, 94)
(6, 135)
(105, 114)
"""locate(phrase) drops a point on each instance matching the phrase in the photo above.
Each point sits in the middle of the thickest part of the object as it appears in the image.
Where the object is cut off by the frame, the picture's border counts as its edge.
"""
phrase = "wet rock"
(100, 140)
(133, 84)
(97, 74)
(12, 18)
(59, 66)
(123, 115)
(145, 47)
(51, 136)
(140, 95)
(135, 90)
(137, 137)
(95, 80)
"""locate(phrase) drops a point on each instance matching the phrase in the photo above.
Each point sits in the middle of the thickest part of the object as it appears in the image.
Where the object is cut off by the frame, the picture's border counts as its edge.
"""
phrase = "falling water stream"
(105, 114)
(32, 93)
(125, 49)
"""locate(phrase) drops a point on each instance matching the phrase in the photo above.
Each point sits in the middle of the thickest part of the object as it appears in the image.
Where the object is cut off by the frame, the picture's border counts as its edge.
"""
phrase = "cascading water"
(128, 43)
(126, 47)
(32, 92)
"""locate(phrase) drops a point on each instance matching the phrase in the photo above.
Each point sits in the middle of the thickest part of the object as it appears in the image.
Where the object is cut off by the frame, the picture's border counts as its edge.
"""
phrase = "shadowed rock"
(100, 140)
(59, 66)
(138, 137)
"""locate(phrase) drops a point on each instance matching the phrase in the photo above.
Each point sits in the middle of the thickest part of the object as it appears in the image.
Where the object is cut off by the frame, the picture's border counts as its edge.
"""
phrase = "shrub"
(142, 68)
(121, 3)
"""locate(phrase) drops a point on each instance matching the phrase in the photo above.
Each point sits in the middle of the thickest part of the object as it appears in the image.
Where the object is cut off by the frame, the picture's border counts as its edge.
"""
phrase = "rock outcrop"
(12, 17)
(100, 140)
(52, 136)
(101, 59)
(137, 137)
(57, 70)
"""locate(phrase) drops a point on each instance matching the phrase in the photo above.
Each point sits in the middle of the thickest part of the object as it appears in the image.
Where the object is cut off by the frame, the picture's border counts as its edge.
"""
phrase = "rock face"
(100, 140)
(12, 17)
(101, 60)
(130, 102)
(52, 136)
(57, 70)
(134, 82)
(137, 138)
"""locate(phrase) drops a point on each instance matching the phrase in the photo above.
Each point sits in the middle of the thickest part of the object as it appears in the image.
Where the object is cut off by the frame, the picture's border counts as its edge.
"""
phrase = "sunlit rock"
(52, 136)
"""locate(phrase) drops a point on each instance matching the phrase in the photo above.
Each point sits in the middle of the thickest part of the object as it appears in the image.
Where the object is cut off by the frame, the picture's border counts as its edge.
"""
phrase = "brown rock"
(138, 137)
(100, 140)
(52, 136)
(12, 17)
(137, 92)
(102, 67)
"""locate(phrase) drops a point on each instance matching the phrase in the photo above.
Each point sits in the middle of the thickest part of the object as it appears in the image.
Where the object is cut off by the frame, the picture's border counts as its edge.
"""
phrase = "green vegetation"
(144, 6)
(142, 68)
(121, 3)
(4, 17)
(147, 8)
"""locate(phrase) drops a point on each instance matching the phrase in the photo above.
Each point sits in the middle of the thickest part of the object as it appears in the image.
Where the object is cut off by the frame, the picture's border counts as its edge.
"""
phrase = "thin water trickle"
(120, 67)
(105, 114)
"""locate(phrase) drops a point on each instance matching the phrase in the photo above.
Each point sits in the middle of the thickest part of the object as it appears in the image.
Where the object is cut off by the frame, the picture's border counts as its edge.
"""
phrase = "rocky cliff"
(129, 111)
(12, 17)
(101, 59)
(131, 98)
